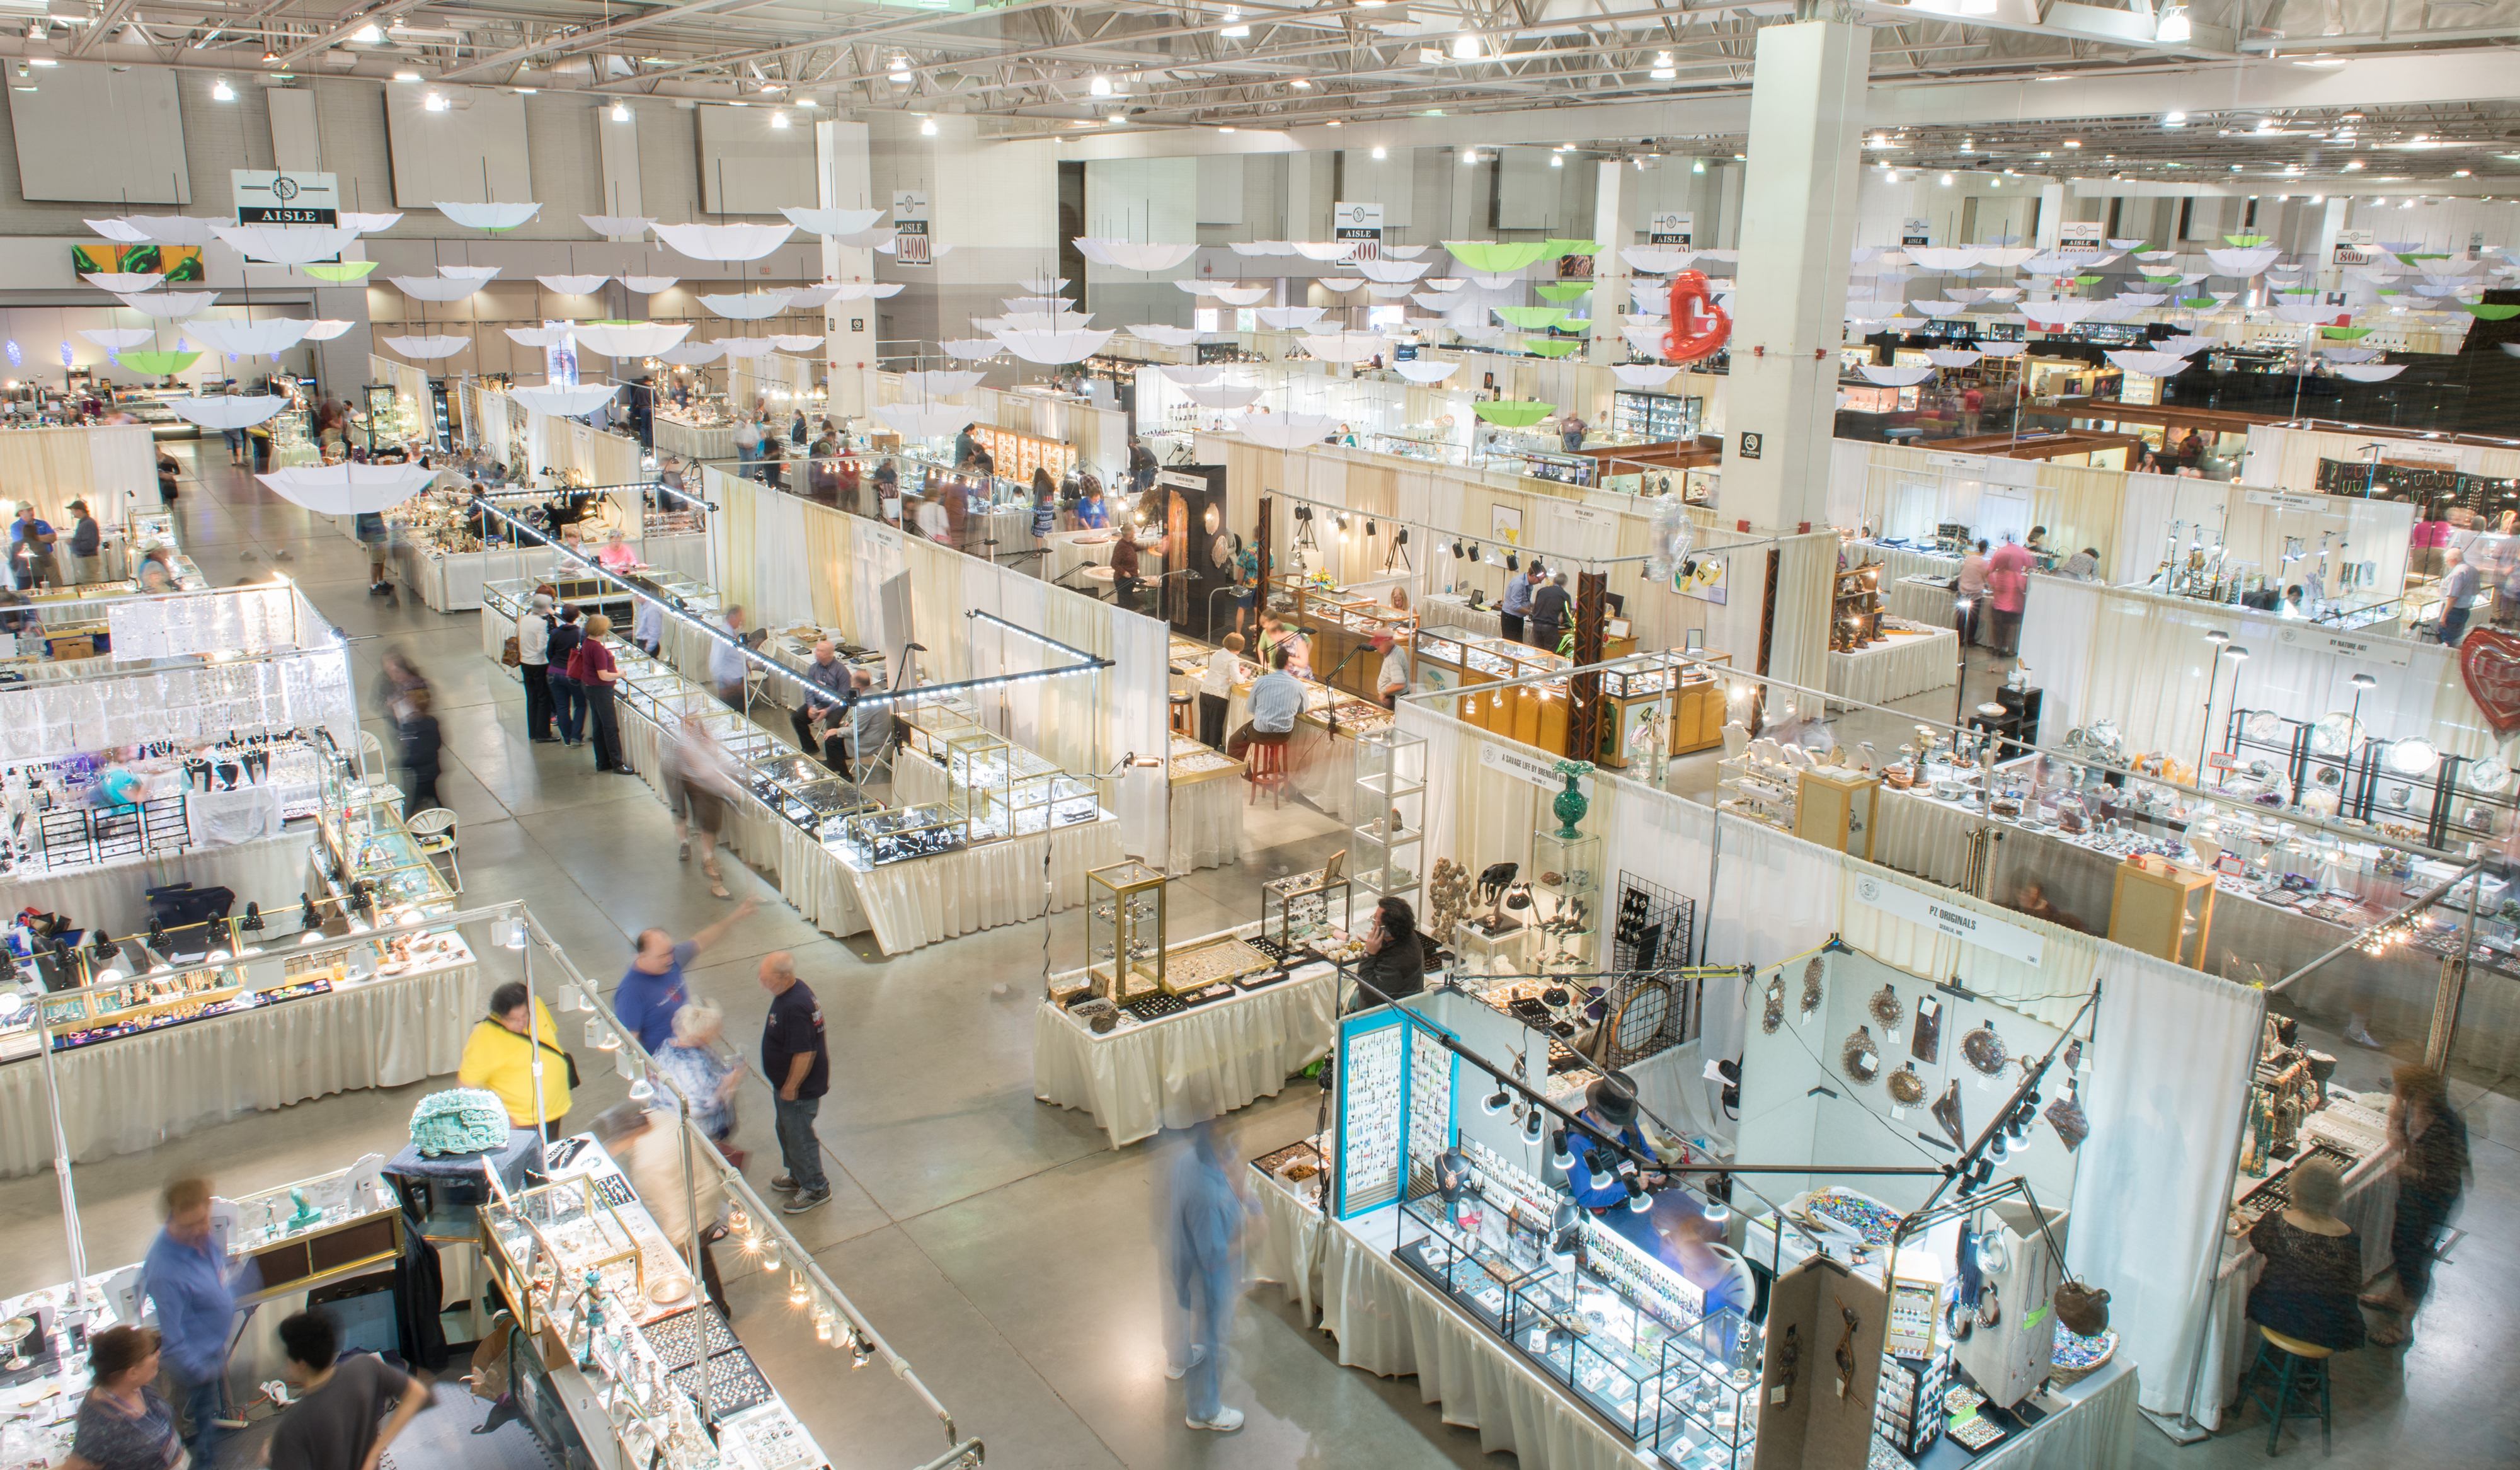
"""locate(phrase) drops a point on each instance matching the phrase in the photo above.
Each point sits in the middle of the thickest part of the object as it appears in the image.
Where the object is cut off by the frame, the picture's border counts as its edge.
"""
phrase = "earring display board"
(1822, 1369)
(203, 702)
(249, 620)
(1395, 1103)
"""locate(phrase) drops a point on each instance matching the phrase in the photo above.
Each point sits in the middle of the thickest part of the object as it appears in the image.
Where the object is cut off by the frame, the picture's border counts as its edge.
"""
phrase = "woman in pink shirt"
(2007, 584)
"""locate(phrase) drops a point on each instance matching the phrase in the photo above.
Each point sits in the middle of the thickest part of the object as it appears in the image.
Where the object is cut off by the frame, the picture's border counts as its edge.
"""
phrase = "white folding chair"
(433, 832)
(372, 757)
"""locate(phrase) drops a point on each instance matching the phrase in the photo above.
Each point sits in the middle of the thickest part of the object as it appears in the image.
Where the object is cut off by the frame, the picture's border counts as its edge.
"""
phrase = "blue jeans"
(568, 706)
(798, 1148)
(1207, 1299)
(203, 1403)
(2453, 626)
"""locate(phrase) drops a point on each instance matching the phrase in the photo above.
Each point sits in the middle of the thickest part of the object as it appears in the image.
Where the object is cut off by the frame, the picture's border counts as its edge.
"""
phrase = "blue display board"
(1395, 1102)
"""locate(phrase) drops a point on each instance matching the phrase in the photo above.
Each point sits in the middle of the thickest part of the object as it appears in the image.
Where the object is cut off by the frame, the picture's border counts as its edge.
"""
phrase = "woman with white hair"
(696, 1072)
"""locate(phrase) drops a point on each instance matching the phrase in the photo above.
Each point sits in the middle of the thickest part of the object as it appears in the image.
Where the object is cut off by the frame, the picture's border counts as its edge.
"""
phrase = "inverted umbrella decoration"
(2242, 260)
(630, 338)
(741, 348)
(170, 305)
(2345, 334)
(1043, 284)
(536, 336)
(1124, 254)
(650, 285)
(1263, 247)
(492, 216)
(286, 244)
(1404, 252)
(2491, 311)
(372, 224)
(2371, 371)
(223, 413)
(264, 338)
(2151, 364)
(1192, 377)
(1222, 396)
(1513, 413)
(939, 384)
(618, 226)
(160, 363)
(1052, 349)
(1243, 296)
(1496, 257)
(325, 329)
(924, 421)
(752, 307)
(1162, 336)
(1894, 377)
(565, 400)
(440, 289)
(794, 342)
(2003, 348)
(832, 221)
(1563, 293)
(1647, 260)
(123, 281)
(1942, 258)
(427, 348)
(1392, 272)
(723, 242)
(349, 488)
(1952, 357)
(119, 339)
(579, 285)
(1530, 319)
(1940, 309)
(117, 231)
(691, 354)
(1550, 346)
(1423, 373)
(1636, 374)
(873, 239)
(2349, 355)
(1379, 293)
(1284, 430)
(1289, 318)
(339, 270)
(973, 350)
(169, 229)
(1344, 348)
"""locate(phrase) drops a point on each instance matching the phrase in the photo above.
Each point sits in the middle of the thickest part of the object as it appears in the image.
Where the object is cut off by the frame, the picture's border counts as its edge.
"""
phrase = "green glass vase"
(1571, 804)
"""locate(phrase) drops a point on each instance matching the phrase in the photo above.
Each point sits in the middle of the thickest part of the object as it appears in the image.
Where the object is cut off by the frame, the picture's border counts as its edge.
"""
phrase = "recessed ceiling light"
(368, 34)
(1334, 122)
(2073, 142)
(2352, 164)
(807, 103)
(1302, 84)
(2173, 119)
(220, 91)
(406, 76)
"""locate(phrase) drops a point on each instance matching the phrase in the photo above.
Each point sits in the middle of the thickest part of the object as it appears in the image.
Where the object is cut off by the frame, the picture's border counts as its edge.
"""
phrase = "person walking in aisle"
(498, 1057)
(691, 1065)
(196, 1301)
(1551, 611)
(652, 989)
(1972, 590)
(2007, 586)
(1204, 1218)
(1517, 603)
(1141, 465)
(423, 748)
(2433, 1170)
(533, 665)
(1124, 568)
(340, 1419)
(593, 668)
(797, 1060)
(747, 443)
(122, 1423)
(699, 780)
(727, 664)
(569, 699)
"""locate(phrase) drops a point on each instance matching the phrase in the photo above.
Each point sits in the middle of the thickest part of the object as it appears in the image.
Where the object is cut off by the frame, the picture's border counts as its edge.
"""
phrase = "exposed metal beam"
(381, 16)
(574, 39)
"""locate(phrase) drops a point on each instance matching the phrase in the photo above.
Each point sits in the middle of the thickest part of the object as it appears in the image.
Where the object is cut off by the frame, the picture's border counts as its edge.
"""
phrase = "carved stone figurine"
(1449, 891)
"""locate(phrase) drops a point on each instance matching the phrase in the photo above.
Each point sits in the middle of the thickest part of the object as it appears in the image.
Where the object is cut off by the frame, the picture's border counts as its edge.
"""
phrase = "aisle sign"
(910, 241)
(1915, 232)
(2355, 248)
(1360, 225)
(1900, 901)
(2085, 236)
(279, 197)
(1673, 229)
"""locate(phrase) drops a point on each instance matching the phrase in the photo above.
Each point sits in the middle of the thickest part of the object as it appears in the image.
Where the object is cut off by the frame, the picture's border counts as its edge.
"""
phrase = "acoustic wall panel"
(750, 167)
(98, 134)
(472, 151)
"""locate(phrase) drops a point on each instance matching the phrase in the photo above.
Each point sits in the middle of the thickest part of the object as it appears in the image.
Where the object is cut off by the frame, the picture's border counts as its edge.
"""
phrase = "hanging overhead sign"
(910, 240)
(2355, 248)
(1359, 224)
(1915, 232)
(281, 197)
(1928, 912)
(1671, 229)
(2087, 236)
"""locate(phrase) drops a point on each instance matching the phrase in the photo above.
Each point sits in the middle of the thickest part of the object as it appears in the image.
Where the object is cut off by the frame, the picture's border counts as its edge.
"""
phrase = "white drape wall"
(114, 468)
(2288, 458)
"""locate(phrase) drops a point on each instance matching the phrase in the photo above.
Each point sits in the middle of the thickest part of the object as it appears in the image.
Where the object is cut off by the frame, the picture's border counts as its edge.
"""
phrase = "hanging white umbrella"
(2050, 314)
(650, 285)
(1345, 348)
(2341, 355)
(573, 285)
(630, 338)
(1043, 284)
(172, 229)
(1633, 374)
(170, 305)
(116, 338)
(1426, 373)
(427, 348)
(325, 329)
(1285, 431)
(565, 400)
(349, 488)
(2184, 346)
(795, 342)
(832, 221)
(367, 225)
(1351, 283)
(822, 293)
(2151, 364)
(937, 249)
(919, 421)
(536, 336)
(869, 239)
(285, 243)
(1243, 296)
(1054, 347)
(486, 216)
(1162, 336)
(1390, 293)
(1325, 250)
(1651, 261)
(1894, 377)
(262, 338)
(1944, 258)
(1940, 309)
(1392, 272)
(1126, 255)
(1192, 377)
(837, 290)
(223, 413)
(618, 226)
(2311, 313)
(468, 272)
(939, 384)
(123, 281)
(2003, 348)
(691, 354)
(1204, 290)
(1263, 247)
(741, 348)
(1222, 396)
(1289, 318)
(1433, 302)
(724, 242)
(117, 231)
(970, 350)
(1404, 252)
(2371, 371)
(435, 287)
(2245, 262)
(1952, 357)
(1039, 321)
(752, 307)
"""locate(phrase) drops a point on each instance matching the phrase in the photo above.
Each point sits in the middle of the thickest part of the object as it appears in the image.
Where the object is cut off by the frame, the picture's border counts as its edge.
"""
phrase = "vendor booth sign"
(1539, 771)
(1984, 931)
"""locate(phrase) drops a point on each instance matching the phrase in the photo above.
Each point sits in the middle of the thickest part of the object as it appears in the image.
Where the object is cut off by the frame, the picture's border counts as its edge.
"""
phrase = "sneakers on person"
(1226, 1421)
(787, 1182)
(1175, 1370)
(2360, 1035)
(683, 854)
(806, 1199)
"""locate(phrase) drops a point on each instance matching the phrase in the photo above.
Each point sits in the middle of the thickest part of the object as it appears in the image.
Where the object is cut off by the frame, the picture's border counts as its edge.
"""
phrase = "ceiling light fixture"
(406, 76)
(369, 34)
(2173, 119)
(220, 91)
(620, 111)
(1116, 118)
(778, 119)
(1466, 48)
(2173, 29)
(1947, 181)
(1235, 27)
(1100, 86)
(2073, 142)
(1302, 84)
(436, 102)
(928, 127)
(1558, 161)
(1380, 153)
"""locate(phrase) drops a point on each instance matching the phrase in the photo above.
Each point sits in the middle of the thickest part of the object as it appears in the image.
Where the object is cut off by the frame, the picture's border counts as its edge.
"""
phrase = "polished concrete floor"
(997, 1242)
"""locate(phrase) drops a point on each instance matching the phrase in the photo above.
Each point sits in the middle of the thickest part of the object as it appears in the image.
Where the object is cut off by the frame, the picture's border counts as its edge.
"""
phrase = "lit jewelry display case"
(896, 834)
(1299, 910)
(1392, 797)
(1124, 931)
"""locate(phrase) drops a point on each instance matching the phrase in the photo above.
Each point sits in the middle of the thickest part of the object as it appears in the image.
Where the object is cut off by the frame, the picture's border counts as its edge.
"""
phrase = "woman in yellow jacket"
(499, 1055)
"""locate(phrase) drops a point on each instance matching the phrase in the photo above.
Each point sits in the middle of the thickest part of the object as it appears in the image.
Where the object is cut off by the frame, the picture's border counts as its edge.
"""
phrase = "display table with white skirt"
(1207, 819)
(113, 897)
(1199, 1063)
(1896, 667)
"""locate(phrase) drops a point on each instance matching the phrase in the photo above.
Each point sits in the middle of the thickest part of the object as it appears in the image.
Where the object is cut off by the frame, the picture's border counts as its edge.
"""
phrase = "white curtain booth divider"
(788, 560)
(2286, 456)
(114, 468)
(410, 379)
(560, 446)
(773, 381)
(2164, 1081)
(1099, 435)
(2142, 659)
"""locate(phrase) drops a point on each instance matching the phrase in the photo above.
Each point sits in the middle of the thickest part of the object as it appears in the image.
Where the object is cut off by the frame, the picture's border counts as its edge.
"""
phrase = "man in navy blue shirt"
(1518, 601)
(796, 1059)
(652, 988)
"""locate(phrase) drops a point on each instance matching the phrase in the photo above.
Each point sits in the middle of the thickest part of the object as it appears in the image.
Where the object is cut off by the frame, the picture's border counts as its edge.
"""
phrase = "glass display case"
(1565, 901)
(1438, 660)
(1124, 931)
(806, 793)
(1044, 800)
(979, 776)
(888, 835)
(1298, 911)
(1392, 797)
(926, 727)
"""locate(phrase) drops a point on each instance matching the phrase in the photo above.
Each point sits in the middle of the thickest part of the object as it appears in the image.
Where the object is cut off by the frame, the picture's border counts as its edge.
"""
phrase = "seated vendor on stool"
(1394, 963)
(1593, 1175)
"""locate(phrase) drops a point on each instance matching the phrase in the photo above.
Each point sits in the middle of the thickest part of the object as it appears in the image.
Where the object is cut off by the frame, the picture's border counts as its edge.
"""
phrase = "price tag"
(1898, 1115)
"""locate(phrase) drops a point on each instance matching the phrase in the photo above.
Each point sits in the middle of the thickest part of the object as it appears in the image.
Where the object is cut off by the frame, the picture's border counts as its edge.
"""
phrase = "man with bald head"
(827, 688)
(796, 1059)
(652, 990)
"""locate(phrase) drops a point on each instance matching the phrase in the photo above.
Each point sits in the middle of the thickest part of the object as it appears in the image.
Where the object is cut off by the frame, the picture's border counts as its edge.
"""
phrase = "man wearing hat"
(1393, 678)
(1599, 1178)
(87, 546)
(533, 663)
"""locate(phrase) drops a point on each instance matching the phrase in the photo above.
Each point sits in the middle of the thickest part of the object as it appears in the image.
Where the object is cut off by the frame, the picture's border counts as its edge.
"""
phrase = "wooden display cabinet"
(1663, 700)
(2162, 910)
(1836, 808)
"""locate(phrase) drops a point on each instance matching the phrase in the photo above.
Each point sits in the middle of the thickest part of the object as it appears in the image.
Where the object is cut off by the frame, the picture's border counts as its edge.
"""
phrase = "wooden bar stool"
(2295, 1367)
(1185, 714)
(1267, 757)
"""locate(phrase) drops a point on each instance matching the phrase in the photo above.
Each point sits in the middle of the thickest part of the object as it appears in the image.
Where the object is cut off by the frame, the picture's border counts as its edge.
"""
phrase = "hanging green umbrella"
(1513, 413)
(2411, 256)
(2196, 302)
(339, 270)
(2345, 334)
(2087, 279)
(2491, 311)
(1550, 347)
(2245, 242)
(2161, 275)
(1532, 318)
(1495, 257)
(157, 364)
(1564, 290)
(1571, 247)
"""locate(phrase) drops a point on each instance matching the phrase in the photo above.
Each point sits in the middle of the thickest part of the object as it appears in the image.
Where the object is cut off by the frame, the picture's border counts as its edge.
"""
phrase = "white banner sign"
(1361, 224)
(2087, 235)
(1540, 772)
(2394, 652)
(1903, 903)
(2289, 500)
(279, 197)
(1915, 232)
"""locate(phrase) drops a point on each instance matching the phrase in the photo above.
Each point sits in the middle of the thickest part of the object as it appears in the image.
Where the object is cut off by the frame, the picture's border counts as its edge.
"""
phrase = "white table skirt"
(1207, 823)
(1196, 1064)
(672, 435)
(133, 1094)
(1322, 767)
(1921, 602)
(931, 899)
(268, 871)
(448, 583)
(1897, 668)
(1919, 835)
(1287, 1248)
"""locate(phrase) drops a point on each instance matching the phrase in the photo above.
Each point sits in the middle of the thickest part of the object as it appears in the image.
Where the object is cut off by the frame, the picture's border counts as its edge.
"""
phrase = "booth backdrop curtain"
(1806, 569)
(2288, 458)
(733, 539)
(114, 468)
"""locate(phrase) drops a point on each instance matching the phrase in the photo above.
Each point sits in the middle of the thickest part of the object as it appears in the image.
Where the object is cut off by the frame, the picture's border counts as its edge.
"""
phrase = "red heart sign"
(2489, 660)
(1698, 326)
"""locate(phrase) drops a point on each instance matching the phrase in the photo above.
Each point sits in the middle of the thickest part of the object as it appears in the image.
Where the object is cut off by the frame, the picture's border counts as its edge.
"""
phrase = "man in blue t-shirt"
(652, 988)
(795, 1059)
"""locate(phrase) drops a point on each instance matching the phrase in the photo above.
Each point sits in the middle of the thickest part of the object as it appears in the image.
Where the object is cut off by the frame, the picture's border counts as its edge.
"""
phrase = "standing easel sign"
(910, 240)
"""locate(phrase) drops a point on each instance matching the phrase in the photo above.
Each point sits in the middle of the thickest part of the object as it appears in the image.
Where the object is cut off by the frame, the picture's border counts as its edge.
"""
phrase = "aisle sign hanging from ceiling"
(1359, 224)
(1915, 232)
(2088, 237)
(280, 197)
(910, 240)
(1673, 229)
(2355, 248)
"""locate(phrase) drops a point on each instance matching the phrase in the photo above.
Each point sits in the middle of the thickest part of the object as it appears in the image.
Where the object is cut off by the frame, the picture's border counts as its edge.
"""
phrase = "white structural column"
(1614, 227)
(2332, 224)
(2052, 214)
(844, 180)
(1797, 235)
